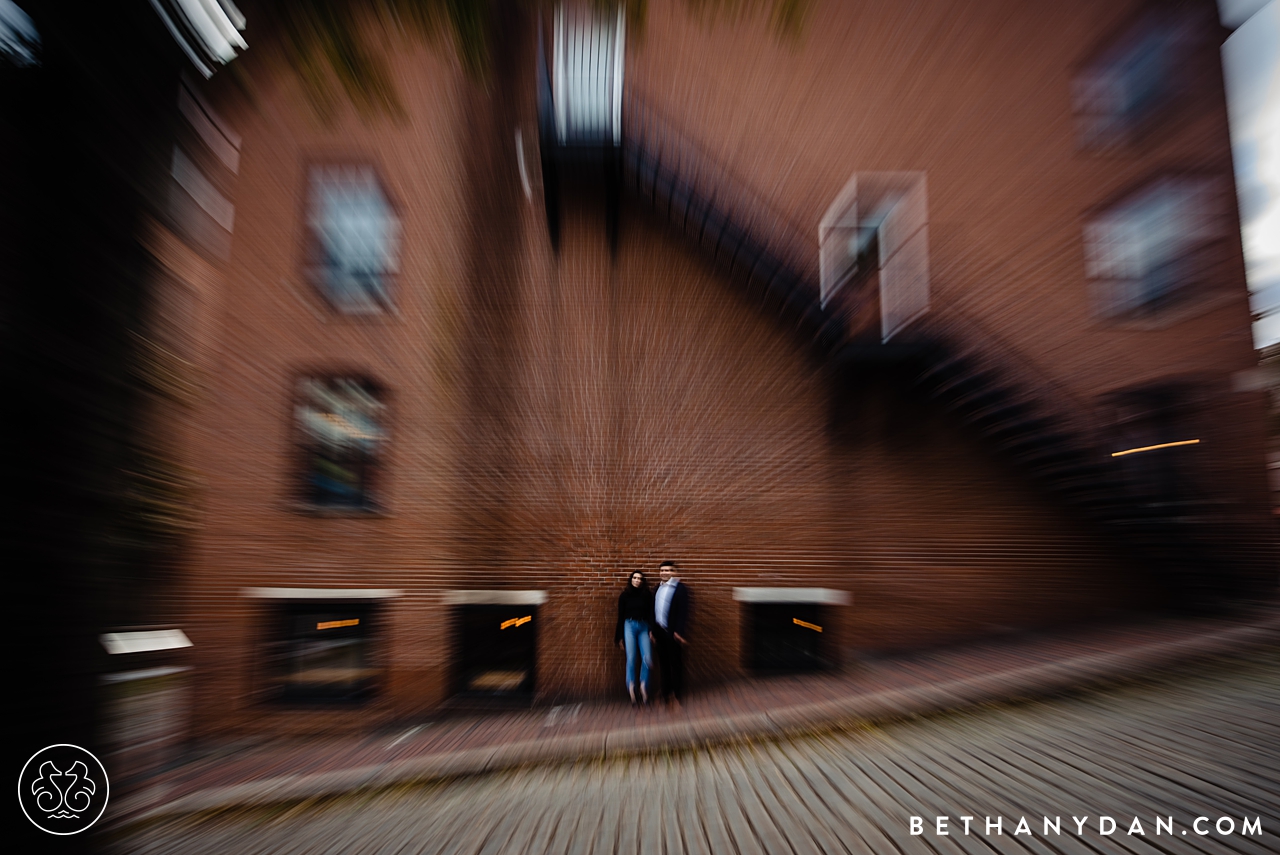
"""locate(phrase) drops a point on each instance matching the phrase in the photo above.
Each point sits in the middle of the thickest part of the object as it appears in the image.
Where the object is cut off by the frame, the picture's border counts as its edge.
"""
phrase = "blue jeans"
(635, 633)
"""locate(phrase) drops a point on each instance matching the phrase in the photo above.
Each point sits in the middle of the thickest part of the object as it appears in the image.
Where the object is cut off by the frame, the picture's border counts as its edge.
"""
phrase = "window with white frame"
(355, 238)
(880, 220)
(1148, 251)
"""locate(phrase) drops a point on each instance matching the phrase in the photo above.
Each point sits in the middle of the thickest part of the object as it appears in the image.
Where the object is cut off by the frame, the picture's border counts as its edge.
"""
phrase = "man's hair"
(665, 564)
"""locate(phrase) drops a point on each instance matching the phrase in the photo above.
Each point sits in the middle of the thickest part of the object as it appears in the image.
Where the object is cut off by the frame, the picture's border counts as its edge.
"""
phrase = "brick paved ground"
(247, 773)
(1202, 743)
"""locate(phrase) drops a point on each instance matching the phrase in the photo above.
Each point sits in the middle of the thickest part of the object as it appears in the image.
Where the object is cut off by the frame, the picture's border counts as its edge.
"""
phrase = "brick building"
(850, 323)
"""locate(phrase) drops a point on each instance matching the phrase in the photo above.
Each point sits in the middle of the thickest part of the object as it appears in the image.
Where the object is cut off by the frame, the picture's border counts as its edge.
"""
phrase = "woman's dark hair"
(633, 574)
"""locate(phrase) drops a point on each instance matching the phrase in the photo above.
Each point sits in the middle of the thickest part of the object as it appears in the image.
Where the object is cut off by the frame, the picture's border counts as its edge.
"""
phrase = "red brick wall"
(980, 97)
(273, 328)
(560, 420)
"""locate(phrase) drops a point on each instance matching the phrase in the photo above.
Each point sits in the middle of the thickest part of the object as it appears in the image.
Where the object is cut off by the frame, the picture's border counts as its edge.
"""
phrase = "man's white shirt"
(662, 602)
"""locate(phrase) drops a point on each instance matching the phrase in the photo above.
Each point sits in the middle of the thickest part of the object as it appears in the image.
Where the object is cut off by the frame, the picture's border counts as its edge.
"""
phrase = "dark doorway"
(784, 638)
(497, 649)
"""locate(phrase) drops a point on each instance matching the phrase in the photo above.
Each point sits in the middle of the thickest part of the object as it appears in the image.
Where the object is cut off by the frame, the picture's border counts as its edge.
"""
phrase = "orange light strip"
(1154, 447)
(335, 624)
(516, 621)
(806, 624)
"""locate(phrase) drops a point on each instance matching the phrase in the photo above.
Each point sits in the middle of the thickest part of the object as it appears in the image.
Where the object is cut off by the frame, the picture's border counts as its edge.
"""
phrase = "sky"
(16, 33)
(1251, 63)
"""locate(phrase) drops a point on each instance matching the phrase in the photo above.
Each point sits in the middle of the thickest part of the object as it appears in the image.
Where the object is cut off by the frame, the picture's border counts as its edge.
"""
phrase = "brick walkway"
(276, 771)
(1093, 773)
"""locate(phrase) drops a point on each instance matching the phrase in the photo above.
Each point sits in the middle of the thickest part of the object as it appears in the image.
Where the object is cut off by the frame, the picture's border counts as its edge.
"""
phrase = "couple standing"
(648, 619)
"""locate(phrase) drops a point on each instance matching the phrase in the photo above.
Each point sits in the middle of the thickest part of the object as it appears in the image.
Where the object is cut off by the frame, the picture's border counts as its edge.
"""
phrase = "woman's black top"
(634, 604)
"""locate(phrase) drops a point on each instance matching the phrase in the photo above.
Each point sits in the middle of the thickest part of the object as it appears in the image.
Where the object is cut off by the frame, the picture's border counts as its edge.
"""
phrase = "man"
(671, 614)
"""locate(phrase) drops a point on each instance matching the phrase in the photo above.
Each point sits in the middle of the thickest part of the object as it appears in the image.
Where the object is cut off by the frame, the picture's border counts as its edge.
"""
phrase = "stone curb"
(1026, 681)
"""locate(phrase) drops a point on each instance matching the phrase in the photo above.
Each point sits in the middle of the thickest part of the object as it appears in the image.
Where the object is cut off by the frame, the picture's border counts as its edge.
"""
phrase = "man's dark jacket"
(678, 616)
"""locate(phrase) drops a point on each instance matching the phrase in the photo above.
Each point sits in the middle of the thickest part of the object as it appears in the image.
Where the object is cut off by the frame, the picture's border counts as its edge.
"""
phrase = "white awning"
(322, 593)
(495, 598)
(144, 641)
(821, 596)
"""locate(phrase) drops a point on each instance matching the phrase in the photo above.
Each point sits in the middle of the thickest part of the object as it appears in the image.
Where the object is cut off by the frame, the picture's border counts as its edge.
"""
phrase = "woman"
(635, 622)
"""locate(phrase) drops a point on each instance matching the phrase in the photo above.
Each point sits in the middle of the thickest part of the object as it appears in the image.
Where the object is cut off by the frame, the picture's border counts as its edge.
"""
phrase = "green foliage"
(785, 16)
(330, 37)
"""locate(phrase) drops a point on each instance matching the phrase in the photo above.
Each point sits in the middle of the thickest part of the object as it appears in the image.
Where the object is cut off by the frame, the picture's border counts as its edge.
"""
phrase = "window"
(355, 238)
(341, 425)
(1131, 82)
(880, 221)
(1147, 251)
(322, 652)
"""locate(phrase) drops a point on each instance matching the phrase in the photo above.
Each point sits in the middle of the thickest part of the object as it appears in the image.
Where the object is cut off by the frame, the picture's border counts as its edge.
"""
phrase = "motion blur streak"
(1138, 752)
(356, 374)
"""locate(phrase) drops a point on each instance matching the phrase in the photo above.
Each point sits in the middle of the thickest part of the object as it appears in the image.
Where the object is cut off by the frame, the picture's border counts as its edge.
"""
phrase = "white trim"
(824, 596)
(144, 674)
(841, 217)
(322, 593)
(212, 26)
(557, 82)
(181, 40)
(220, 139)
(144, 641)
(495, 598)
(619, 65)
(524, 174)
(202, 191)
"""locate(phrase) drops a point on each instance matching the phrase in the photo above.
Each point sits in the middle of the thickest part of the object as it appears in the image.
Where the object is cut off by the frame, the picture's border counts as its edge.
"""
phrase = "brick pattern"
(240, 773)
(559, 420)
